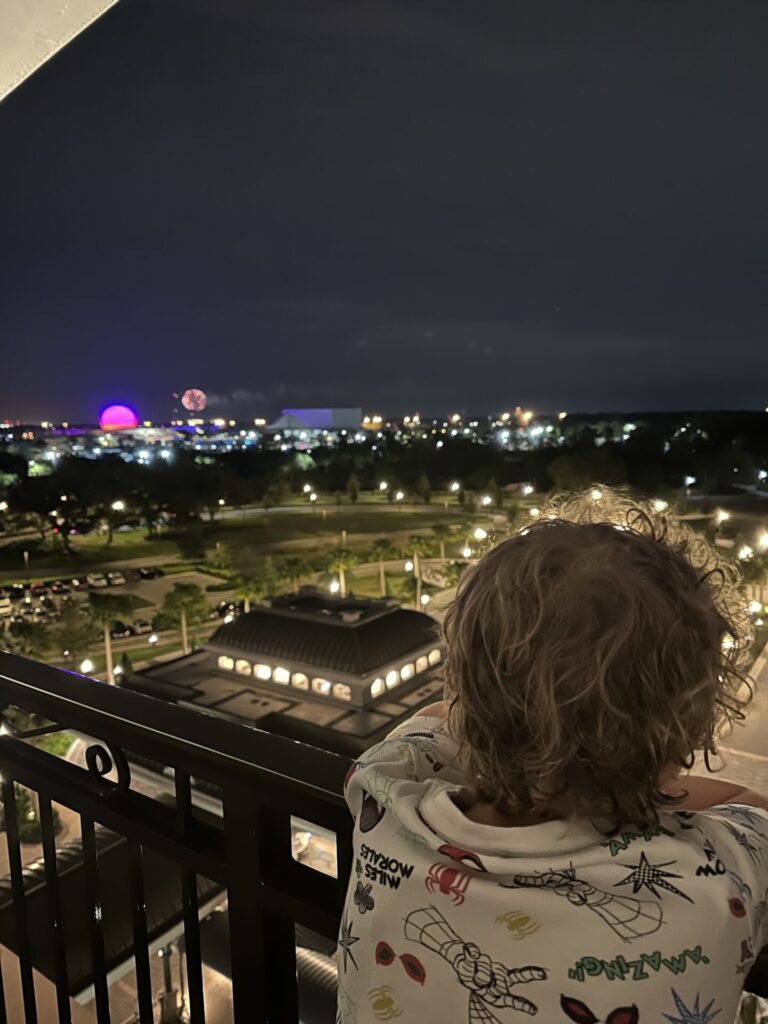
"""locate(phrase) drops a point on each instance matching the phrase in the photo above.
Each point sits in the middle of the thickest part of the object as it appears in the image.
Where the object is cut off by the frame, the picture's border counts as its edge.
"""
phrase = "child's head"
(590, 652)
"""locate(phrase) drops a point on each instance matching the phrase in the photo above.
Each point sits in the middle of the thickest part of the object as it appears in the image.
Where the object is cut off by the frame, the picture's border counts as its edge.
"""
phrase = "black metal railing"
(75, 913)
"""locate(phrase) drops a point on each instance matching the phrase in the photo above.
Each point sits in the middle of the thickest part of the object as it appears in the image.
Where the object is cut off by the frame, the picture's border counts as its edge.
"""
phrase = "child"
(534, 845)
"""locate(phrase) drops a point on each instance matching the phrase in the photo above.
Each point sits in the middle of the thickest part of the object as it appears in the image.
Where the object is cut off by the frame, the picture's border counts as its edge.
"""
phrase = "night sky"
(401, 205)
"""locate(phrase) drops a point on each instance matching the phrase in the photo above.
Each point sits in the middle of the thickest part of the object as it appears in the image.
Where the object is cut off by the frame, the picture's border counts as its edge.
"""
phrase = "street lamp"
(313, 496)
(480, 533)
(334, 587)
(307, 488)
(596, 494)
(3, 506)
(466, 552)
(455, 486)
(690, 481)
(399, 495)
(222, 501)
(486, 500)
(660, 505)
(152, 638)
(408, 566)
(527, 489)
(721, 516)
(86, 665)
(425, 598)
(534, 512)
(745, 553)
(383, 485)
(117, 506)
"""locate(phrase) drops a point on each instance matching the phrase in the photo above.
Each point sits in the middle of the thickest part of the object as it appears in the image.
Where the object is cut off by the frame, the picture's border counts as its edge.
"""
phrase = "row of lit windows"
(324, 687)
(278, 674)
(402, 675)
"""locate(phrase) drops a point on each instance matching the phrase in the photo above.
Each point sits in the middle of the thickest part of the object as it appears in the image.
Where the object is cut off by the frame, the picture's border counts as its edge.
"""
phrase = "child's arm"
(703, 793)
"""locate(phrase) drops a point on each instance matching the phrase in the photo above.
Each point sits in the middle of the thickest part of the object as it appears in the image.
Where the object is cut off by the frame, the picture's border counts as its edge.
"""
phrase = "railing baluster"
(262, 944)
(54, 905)
(19, 903)
(193, 955)
(93, 890)
(246, 916)
(140, 952)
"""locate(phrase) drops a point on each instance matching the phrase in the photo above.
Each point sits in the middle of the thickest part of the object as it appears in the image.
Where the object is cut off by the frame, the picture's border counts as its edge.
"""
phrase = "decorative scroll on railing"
(142, 864)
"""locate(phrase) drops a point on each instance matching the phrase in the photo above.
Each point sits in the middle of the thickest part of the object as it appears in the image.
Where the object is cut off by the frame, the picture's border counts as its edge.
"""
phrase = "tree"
(185, 606)
(256, 578)
(341, 560)
(191, 543)
(423, 487)
(419, 547)
(28, 639)
(294, 568)
(443, 532)
(74, 633)
(353, 487)
(576, 470)
(105, 608)
(383, 550)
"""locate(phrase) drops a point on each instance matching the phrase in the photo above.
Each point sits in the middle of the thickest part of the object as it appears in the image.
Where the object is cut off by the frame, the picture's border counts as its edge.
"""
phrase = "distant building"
(318, 419)
(336, 672)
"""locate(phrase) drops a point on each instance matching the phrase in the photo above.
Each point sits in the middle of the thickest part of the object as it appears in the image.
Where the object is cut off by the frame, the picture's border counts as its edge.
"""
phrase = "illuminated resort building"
(335, 672)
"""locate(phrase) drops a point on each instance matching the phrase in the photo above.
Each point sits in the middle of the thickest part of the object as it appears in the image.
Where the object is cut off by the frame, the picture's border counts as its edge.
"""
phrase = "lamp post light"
(721, 516)
(526, 490)
(480, 533)
(86, 666)
(152, 638)
(399, 495)
(466, 552)
(660, 505)
(307, 488)
(486, 500)
(118, 506)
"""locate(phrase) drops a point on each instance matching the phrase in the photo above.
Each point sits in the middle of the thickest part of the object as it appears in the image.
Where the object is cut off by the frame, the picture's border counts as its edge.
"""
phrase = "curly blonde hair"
(588, 653)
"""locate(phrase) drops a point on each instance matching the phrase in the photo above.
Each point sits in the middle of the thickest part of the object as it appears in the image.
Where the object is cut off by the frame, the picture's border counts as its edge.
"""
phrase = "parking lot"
(40, 601)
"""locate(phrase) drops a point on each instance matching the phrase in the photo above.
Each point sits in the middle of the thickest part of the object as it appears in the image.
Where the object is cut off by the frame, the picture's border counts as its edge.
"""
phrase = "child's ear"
(623, 1015)
(578, 1011)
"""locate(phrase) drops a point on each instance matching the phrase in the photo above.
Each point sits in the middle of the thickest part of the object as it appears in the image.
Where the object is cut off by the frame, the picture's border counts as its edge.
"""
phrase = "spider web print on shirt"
(650, 876)
(625, 916)
(489, 982)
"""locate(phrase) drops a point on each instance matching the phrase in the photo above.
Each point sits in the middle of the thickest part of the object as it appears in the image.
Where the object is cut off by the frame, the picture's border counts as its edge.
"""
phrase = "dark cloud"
(402, 204)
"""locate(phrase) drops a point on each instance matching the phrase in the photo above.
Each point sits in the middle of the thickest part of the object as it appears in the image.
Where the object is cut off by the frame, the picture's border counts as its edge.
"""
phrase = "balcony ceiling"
(32, 31)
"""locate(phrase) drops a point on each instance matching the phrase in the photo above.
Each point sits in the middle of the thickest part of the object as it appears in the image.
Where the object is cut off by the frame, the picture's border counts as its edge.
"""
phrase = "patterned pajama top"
(447, 920)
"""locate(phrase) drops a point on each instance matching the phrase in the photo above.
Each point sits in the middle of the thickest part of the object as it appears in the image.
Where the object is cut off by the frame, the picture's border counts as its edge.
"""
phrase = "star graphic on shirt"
(645, 874)
(747, 815)
(694, 1015)
(346, 940)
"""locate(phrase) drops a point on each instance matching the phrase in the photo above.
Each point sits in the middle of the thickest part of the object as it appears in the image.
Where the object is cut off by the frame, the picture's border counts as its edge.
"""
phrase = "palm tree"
(186, 604)
(341, 560)
(104, 609)
(420, 548)
(383, 550)
(443, 532)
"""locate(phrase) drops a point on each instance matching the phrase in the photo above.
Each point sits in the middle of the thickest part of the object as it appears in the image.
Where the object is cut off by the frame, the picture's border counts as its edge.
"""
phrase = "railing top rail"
(180, 737)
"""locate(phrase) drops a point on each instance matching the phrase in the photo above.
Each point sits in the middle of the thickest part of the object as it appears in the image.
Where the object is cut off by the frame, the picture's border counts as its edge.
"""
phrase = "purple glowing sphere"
(118, 417)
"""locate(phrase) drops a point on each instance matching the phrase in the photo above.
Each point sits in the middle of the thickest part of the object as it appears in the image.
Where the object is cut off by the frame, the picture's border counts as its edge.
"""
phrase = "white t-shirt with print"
(447, 920)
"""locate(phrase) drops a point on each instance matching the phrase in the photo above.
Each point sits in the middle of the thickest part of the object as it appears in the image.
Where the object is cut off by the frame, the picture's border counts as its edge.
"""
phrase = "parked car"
(115, 579)
(76, 582)
(17, 591)
(151, 574)
(96, 579)
(141, 626)
(60, 587)
(38, 590)
(124, 528)
(120, 630)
